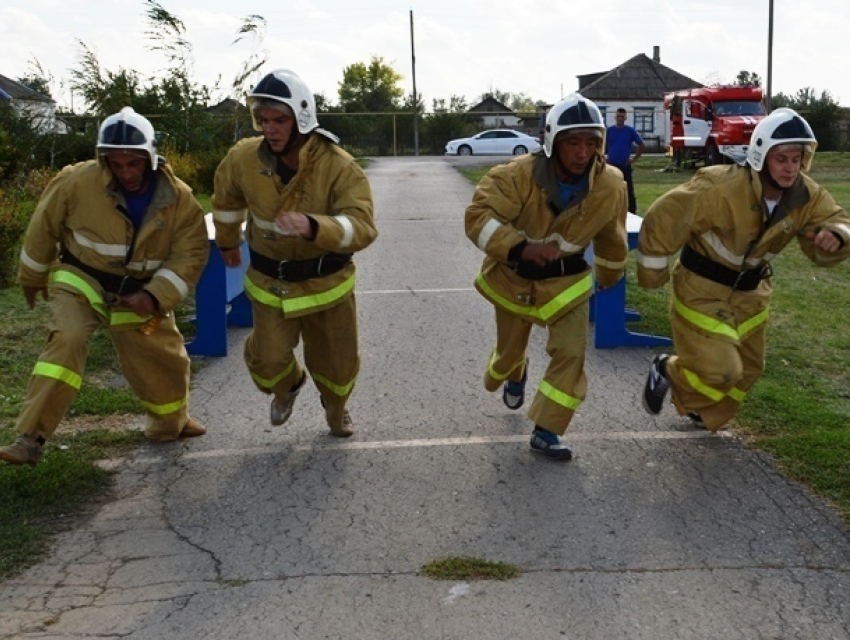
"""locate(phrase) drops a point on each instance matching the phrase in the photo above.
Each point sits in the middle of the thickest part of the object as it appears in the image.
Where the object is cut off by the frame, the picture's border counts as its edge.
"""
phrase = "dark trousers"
(630, 185)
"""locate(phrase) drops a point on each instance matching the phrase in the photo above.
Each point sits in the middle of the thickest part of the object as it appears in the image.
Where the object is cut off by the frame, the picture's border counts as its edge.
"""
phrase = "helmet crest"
(782, 126)
(125, 131)
(283, 85)
(573, 112)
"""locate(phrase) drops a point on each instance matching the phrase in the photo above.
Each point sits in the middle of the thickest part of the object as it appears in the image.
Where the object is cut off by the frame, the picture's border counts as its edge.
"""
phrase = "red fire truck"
(711, 124)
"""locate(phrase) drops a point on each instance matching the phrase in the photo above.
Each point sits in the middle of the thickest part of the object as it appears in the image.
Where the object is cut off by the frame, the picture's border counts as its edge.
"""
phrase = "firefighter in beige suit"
(533, 218)
(729, 223)
(120, 241)
(308, 207)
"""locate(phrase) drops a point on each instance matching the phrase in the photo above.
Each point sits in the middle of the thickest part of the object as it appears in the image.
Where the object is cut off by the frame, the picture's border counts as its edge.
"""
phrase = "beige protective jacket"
(329, 186)
(82, 210)
(720, 213)
(517, 202)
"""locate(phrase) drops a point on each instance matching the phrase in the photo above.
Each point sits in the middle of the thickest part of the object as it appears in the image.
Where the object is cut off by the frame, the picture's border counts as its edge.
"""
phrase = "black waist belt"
(299, 270)
(111, 283)
(746, 280)
(566, 266)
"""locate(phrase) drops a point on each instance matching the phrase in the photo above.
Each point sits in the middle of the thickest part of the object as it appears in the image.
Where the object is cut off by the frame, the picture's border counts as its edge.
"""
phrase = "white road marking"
(353, 445)
(366, 293)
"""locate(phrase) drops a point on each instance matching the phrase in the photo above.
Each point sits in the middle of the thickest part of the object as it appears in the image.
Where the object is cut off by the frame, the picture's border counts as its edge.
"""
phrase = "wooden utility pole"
(415, 97)
(769, 56)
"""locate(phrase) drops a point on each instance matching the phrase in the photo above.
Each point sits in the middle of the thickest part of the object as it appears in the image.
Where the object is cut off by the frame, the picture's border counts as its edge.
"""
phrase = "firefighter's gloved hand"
(141, 303)
(292, 223)
(231, 257)
(31, 293)
(540, 254)
(824, 240)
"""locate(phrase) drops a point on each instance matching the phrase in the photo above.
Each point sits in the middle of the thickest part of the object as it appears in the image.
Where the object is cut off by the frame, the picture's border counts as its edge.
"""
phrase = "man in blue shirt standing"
(620, 138)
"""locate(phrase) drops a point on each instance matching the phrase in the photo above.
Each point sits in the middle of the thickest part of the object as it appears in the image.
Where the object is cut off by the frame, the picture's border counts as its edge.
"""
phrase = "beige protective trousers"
(156, 367)
(564, 385)
(711, 376)
(330, 353)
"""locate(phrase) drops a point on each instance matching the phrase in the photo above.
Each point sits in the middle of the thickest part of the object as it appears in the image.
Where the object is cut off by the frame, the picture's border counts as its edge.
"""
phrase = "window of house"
(644, 120)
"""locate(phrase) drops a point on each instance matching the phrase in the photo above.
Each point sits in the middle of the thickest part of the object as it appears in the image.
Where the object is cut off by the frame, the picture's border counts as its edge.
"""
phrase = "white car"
(495, 142)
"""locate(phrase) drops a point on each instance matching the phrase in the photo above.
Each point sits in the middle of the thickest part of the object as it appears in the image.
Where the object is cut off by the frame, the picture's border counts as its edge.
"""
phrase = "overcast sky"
(463, 47)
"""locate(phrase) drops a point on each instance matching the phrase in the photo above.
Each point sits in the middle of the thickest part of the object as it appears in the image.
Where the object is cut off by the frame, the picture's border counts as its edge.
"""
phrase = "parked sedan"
(495, 142)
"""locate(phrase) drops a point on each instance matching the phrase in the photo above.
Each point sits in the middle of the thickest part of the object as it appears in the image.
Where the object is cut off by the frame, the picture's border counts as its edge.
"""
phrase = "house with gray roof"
(638, 85)
(494, 114)
(29, 103)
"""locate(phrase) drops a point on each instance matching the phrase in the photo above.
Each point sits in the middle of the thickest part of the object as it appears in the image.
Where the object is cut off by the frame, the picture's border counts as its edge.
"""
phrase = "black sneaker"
(550, 445)
(513, 393)
(656, 385)
(696, 419)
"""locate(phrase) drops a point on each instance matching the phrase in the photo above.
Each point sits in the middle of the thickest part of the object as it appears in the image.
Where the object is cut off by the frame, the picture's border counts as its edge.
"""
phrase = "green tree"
(103, 91)
(370, 89)
(821, 112)
(750, 78)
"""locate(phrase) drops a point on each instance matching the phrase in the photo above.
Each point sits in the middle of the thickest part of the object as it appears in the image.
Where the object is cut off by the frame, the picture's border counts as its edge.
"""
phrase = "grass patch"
(463, 568)
(800, 408)
(40, 501)
(36, 502)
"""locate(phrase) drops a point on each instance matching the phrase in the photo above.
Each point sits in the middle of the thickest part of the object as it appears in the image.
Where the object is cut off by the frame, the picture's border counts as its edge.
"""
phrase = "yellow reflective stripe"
(49, 370)
(340, 390)
(737, 395)
(558, 397)
(127, 317)
(301, 303)
(269, 384)
(261, 295)
(73, 280)
(752, 323)
(501, 376)
(548, 310)
(703, 321)
(319, 299)
(165, 409)
(700, 387)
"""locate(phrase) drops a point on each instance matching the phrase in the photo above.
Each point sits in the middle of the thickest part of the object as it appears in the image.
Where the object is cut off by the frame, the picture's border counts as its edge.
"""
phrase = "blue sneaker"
(513, 393)
(549, 445)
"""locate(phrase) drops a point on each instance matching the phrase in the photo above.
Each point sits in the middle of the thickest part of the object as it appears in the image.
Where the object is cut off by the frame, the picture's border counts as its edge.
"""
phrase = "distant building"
(638, 85)
(31, 104)
(495, 115)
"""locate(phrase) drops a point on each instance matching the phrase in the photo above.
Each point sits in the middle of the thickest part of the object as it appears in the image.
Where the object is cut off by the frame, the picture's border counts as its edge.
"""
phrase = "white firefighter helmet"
(284, 86)
(125, 131)
(573, 112)
(782, 126)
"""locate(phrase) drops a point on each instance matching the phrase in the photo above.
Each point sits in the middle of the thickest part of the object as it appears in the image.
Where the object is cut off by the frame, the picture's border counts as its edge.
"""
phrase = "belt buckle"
(280, 267)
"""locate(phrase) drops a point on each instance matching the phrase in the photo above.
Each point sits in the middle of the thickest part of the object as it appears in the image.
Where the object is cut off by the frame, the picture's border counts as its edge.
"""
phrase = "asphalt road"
(654, 531)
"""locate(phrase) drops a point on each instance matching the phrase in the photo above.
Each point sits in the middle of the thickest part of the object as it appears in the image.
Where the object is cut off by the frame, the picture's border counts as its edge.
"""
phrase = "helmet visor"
(272, 86)
(577, 115)
(121, 134)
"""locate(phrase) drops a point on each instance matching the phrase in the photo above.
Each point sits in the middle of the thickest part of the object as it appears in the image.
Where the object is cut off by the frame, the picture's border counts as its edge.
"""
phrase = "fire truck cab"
(711, 124)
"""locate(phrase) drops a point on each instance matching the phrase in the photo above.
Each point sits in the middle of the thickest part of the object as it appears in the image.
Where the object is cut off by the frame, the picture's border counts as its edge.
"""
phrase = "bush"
(14, 217)
(17, 203)
(195, 169)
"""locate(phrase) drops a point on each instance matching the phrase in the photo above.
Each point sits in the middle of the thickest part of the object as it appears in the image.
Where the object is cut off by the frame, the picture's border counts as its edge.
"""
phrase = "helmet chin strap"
(569, 175)
(770, 180)
(290, 144)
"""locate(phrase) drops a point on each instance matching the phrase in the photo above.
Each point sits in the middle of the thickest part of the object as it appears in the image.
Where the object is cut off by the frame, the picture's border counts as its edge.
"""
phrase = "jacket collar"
(543, 173)
(793, 197)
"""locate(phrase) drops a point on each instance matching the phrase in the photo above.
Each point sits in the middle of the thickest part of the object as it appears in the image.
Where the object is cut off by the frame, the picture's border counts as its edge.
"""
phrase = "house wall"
(654, 123)
(498, 121)
(42, 115)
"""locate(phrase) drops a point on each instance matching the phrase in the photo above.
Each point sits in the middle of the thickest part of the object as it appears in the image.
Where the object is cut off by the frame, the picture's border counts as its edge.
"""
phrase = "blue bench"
(220, 301)
(608, 309)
